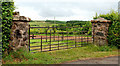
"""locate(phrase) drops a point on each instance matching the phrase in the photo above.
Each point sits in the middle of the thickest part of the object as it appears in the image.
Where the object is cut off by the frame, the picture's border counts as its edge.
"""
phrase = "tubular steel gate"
(50, 39)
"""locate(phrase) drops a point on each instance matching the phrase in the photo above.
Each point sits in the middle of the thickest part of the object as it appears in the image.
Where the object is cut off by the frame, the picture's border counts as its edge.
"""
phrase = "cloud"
(64, 9)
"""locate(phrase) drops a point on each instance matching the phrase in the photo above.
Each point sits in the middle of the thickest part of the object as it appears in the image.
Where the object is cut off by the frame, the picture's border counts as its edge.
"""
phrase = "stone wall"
(100, 31)
(19, 32)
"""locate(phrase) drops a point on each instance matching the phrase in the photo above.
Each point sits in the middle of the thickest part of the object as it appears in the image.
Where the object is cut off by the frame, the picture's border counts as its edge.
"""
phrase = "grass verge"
(59, 56)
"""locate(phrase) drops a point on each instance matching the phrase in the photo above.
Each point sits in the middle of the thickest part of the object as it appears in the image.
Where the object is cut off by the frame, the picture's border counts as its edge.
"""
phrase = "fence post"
(29, 38)
(62, 36)
(58, 41)
(67, 37)
(82, 39)
(79, 34)
(75, 41)
(46, 36)
(50, 41)
(87, 37)
(93, 30)
(54, 33)
(41, 43)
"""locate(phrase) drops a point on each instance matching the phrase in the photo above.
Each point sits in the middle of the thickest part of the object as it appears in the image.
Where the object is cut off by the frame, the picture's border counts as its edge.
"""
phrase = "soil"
(64, 38)
(104, 60)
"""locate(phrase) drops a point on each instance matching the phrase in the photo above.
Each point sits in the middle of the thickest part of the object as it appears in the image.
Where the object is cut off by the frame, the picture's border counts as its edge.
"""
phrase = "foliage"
(112, 15)
(0, 22)
(61, 27)
(114, 31)
(101, 48)
(114, 34)
(86, 26)
(75, 22)
(7, 16)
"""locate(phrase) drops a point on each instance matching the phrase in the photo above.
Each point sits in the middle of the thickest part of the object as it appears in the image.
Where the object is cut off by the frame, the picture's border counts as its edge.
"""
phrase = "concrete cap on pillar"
(17, 17)
(100, 20)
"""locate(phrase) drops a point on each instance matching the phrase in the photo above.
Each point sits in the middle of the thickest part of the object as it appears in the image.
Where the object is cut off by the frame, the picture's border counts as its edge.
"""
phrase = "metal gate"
(51, 38)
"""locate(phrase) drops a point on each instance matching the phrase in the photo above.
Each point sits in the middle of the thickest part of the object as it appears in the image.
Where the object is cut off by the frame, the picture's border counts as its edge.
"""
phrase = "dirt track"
(64, 38)
(107, 60)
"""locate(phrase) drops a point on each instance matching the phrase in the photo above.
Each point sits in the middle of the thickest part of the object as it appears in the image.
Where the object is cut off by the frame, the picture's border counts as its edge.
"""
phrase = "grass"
(60, 56)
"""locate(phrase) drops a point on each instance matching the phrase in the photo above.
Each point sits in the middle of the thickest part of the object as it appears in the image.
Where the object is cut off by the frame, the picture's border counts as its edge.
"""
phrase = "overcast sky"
(64, 9)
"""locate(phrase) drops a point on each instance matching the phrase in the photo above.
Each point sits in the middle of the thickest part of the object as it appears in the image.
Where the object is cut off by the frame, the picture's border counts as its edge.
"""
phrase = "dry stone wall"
(19, 32)
(100, 28)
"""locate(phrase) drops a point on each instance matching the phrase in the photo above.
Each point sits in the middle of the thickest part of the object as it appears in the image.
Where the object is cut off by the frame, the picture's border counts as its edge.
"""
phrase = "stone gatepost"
(19, 32)
(100, 31)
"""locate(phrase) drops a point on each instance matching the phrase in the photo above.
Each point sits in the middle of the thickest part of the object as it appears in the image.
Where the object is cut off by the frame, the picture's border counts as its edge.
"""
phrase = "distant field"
(37, 31)
(44, 23)
(40, 24)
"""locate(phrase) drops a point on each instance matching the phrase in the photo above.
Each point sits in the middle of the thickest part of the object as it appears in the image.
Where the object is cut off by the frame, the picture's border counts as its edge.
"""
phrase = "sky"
(64, 10)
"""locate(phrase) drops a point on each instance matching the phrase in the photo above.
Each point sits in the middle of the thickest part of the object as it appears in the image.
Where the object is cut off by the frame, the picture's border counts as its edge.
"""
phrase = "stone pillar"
(19, 32)
(100, 31)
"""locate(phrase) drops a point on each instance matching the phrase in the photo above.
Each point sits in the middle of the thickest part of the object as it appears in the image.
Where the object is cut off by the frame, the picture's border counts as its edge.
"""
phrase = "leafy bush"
(114, 34)
(112, 15)
(61, 27)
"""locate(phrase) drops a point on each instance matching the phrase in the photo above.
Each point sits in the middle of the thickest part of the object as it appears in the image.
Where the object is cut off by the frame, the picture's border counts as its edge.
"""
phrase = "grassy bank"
(60, 56)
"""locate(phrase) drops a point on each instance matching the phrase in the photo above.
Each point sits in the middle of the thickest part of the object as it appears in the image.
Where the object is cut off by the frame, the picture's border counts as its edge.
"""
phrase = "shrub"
(114, 34)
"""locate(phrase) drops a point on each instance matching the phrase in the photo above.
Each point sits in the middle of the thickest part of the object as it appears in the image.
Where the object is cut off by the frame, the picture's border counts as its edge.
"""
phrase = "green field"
(40, 24)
